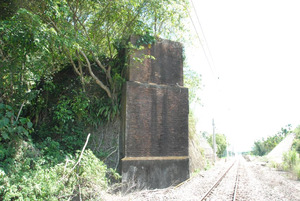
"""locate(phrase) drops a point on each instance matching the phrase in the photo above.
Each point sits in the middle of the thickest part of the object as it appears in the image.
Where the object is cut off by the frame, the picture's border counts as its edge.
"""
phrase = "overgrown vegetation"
(221, 144)
(291, 163)
(291, 159)
(61, 72)
(198, 161)
(192, 80)
(296, 144)
(264, 146)
(63, 181)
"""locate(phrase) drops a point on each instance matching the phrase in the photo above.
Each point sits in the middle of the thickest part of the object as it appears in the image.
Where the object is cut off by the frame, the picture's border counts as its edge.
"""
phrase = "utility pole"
(214, 141)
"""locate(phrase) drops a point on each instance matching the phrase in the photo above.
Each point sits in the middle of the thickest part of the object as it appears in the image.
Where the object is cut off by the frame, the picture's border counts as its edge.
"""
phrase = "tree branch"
(77, 19)
(98, 62)
(20, 111)
(72, 62)
(98, 81)
(132, 20)
(80, 70)
(79, 159)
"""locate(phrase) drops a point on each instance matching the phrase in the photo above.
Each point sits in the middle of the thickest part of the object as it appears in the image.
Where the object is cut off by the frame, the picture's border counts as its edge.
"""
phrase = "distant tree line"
(264, 146)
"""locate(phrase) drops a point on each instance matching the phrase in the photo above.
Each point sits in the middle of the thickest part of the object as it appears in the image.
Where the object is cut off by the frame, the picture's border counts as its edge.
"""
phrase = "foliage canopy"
(43, 36)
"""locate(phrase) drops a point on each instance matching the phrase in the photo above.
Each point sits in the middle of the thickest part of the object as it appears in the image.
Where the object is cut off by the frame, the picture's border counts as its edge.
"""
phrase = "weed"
(60, 182)
(296, 171)
(291, 162)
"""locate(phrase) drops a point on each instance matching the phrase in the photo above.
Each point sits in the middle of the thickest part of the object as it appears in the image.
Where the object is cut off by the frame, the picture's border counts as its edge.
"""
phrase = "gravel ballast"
(256, 182)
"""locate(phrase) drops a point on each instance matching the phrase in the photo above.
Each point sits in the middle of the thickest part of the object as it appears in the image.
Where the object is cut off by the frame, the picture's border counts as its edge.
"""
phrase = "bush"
(291, 162)
(290, 158)
(297, 145)
(296, 171)
(64, 181)
(11, 126)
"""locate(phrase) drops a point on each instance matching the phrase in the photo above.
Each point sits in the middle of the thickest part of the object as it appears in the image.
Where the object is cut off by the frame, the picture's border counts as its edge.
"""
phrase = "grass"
(291, 163)
(296, 171)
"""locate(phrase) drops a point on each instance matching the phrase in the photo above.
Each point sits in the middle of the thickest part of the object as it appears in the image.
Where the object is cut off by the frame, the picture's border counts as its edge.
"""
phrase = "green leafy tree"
(23, 56)
(40, 39)
(296, 143)
(192, 80)
(86, 32)
(264, 146)
(221, 143)
(259, 148)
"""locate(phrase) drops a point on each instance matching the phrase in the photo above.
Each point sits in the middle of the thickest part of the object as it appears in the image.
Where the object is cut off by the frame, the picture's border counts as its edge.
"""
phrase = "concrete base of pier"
(153, 172)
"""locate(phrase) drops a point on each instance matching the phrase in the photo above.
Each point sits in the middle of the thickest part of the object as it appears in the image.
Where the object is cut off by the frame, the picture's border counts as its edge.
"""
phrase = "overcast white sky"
(255, 46)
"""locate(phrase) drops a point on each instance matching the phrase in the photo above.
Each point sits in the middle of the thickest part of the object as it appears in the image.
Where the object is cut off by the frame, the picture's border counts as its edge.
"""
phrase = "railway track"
(233, 196)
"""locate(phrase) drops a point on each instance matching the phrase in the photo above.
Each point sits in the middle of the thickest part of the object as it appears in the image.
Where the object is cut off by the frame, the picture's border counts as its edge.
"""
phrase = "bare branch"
(134, 18)
(54, 25)
(79, 159)
(20, 111)
(161, 25)
(72, 61)
(80, 70)
(77, 19)
(98, 62)
(108, 75)
(98, 81)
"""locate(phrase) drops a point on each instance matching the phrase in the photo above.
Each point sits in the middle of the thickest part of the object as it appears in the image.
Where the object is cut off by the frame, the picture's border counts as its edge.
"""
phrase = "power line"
(209, 61)
(209, 52)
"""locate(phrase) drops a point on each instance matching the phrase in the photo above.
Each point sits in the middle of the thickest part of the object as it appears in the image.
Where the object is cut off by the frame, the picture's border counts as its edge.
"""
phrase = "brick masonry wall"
(156, 120)
(165, 68)
(154, 139)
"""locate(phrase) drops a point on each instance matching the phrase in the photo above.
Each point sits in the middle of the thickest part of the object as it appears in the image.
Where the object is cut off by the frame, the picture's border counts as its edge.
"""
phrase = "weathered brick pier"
(154, 139)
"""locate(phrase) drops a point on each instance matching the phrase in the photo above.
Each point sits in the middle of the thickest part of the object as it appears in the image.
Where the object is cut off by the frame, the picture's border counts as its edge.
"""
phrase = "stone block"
(155, 120)
(165, 68)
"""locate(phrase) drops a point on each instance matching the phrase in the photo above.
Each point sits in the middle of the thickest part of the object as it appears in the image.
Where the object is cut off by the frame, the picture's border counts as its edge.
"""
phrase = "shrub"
(296, 145)
(290, 158)
(64, 181)
(274, 164)
(291, 162)
(296, 171)
(11, 126)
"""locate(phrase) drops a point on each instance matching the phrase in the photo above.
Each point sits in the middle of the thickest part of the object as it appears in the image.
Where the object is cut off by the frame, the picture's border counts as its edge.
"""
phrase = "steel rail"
(216, 184)
(236, 183)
